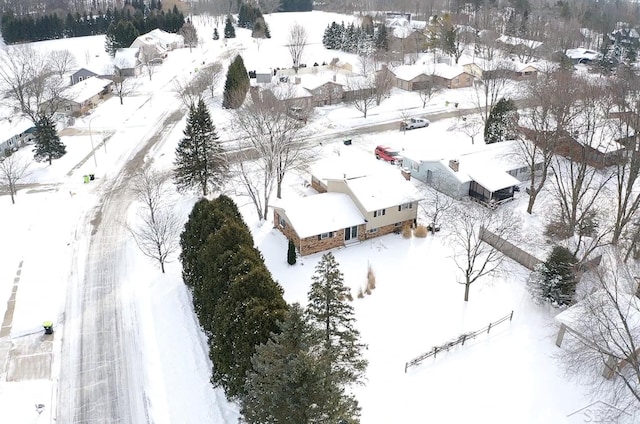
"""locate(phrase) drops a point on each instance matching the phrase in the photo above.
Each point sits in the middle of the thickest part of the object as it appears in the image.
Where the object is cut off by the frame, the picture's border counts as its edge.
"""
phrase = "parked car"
(412, 123)
(387, 154)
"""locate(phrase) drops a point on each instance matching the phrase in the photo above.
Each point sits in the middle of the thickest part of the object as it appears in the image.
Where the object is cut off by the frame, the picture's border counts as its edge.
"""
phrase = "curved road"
(100, 375)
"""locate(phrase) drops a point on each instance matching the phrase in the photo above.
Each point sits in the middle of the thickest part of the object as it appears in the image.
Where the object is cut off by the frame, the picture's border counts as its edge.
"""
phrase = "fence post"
(489, 328)
(464, 338)
(511, 316)
(406, 364)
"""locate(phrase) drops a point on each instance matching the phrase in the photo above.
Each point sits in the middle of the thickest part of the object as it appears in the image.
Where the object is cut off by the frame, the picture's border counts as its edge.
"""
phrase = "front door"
(351, 233)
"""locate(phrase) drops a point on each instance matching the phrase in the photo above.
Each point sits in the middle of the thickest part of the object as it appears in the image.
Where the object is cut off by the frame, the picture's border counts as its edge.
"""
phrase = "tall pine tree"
(330, 312)
(119, 36)
(229, 30)
(200, 161)
(286, 376)
(236, 85)
(47, 145)
(501, 123)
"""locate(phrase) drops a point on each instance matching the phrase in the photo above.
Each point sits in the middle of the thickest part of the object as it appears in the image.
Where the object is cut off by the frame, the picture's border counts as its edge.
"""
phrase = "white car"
(415, 123)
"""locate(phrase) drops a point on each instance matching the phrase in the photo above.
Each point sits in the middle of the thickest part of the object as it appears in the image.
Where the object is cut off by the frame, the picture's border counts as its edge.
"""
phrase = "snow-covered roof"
(580, 318)
(164, 36)
(313, 81)
(382, 191)
(582, 53)
(126, 58)
(492, 179)
(409, 72)
(515, 41)
(347, 166)
(12, 125)
(285, 91)
(86, 89)
(321, 213)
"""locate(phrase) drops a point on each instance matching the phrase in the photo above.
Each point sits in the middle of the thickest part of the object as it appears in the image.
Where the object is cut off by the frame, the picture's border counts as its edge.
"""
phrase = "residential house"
(17, 131)
(127, 62)
(415, 77)
(526, 70)
(488, 173)
(350, 211)
(157, 43)
(81, 75)
(525, 50)
(326, 89)
(600, 147)
(582, 56)
(82, 97)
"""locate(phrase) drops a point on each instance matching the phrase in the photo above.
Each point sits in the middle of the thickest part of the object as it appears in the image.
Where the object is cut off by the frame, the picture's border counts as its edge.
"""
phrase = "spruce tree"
(501, 123)
(291, 253)
(229, 30)
(554, 280)
(330, 312)
(200, 161)
(244, 318)
(382, 39)
(47, 143)
(236, 85)
(286, 376)
(120, 35)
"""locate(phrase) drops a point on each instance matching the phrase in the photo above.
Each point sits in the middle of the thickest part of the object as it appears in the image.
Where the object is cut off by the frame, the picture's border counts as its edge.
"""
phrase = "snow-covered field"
(507, 376)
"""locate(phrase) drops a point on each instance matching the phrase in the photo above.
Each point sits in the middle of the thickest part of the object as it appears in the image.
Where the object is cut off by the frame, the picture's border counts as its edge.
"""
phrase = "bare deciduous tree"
(296, 43)
(473, 257)
(12, 170)
(191, 91)
(189, 34)
(158, 231)
(272, 137)
(62, 61)
(427, 89)
(361, 93)
(122, 86)
(490, 88)
(28, 81)
(602, 343)
(438, 202)
(213, 75)
(470, 126)
(148, 60)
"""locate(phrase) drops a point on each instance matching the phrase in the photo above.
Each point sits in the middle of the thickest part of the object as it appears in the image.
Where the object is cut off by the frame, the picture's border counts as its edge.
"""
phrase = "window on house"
(405, 206)
(67, 108)
(325, 235)
(372, 230)
(282, 222)
(80, 79)
(397, 224)
(380, 212)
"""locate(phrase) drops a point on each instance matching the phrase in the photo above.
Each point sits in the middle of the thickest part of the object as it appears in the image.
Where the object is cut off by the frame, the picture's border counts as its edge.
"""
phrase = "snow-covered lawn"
(507, 376)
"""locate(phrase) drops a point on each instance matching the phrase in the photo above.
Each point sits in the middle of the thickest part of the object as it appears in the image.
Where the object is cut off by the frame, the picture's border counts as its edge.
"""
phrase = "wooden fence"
(462, 338)
(509, 249)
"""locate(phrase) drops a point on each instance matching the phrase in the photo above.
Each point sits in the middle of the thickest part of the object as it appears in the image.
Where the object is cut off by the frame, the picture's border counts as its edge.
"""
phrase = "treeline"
(352, 39)
(17, 29)
(276, 360)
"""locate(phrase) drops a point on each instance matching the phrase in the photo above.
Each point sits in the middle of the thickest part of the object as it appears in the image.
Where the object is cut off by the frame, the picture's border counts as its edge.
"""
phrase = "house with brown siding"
(350, 211)
(414, 77)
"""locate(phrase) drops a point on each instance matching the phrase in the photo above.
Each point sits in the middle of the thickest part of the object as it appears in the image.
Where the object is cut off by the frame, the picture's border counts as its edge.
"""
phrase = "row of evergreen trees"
(16, 29)
(284, 364)
(361, 40)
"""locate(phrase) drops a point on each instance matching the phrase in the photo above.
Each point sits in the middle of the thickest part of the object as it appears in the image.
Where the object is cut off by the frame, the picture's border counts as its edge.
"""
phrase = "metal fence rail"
(462, 338)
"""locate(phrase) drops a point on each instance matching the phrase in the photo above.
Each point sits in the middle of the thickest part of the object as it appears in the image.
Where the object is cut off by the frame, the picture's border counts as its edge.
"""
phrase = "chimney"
(454, 164)
(334, 77)
(297, 80)
(406, 173)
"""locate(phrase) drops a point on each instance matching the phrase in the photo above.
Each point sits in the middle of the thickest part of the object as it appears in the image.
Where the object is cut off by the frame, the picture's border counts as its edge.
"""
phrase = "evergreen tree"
(229, 30)
(236, 85)
(291, 253)
(200, 160)
(554, 280)
(382, 39)
(502, 121)
(244, 318)
(47, 145)
(330, 312)
(286, 376)
(119, 36)
(216, 36)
